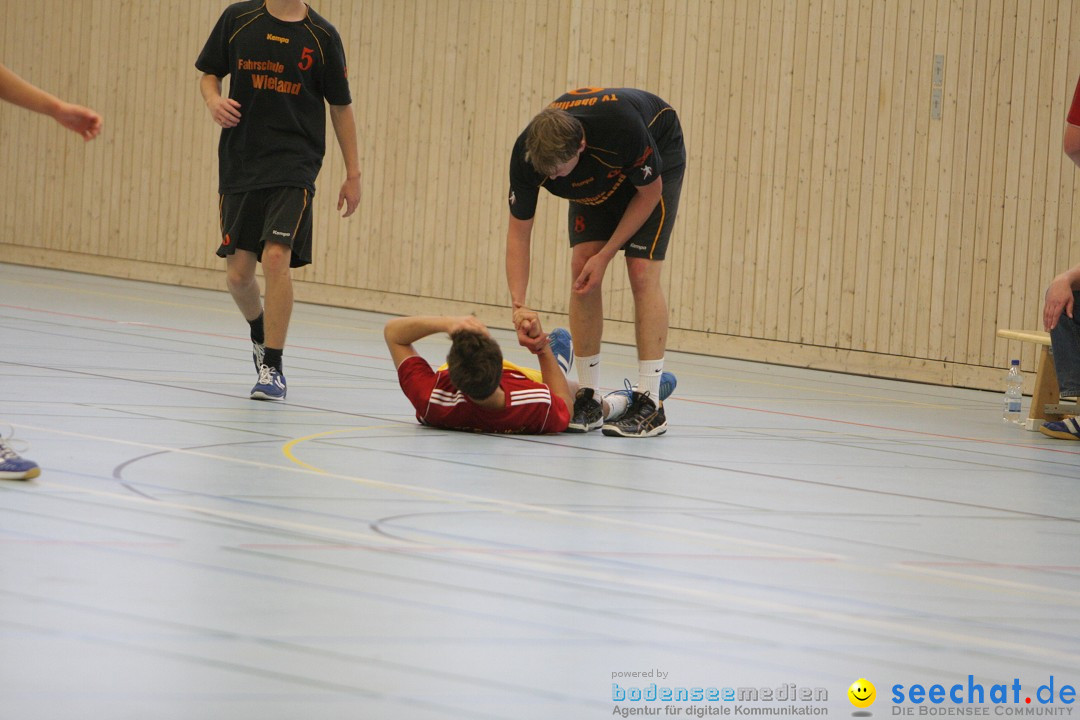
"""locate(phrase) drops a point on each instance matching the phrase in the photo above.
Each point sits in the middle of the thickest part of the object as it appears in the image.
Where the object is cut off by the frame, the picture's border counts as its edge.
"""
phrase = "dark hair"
(552, 138)
(475, 362)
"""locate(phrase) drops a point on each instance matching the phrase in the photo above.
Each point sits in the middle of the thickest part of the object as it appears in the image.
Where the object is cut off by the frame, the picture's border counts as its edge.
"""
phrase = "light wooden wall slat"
(823, 207)
(1036, 143)
(980, 138)
(958, 265)
(905, 102)
(685, 250)
(771, 251)
(1015, 41)
(806, 213)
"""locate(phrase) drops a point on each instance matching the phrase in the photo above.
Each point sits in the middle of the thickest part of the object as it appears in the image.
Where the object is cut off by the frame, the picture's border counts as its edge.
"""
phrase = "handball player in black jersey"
(617, 155)
(285, 61)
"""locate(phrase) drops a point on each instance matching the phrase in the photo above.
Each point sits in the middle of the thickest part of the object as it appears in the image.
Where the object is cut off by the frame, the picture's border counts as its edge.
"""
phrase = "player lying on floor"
(477, 391)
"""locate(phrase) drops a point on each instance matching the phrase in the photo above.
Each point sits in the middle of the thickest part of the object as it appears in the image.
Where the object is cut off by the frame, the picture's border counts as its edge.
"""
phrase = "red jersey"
(530, 407)
(1074, 110)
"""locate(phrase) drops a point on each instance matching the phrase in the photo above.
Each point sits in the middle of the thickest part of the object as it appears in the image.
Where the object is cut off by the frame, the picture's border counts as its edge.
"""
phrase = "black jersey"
(630, 135)
(281, 74)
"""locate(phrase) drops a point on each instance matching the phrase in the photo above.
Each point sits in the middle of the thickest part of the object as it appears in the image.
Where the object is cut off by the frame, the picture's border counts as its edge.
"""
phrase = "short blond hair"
(551, 139)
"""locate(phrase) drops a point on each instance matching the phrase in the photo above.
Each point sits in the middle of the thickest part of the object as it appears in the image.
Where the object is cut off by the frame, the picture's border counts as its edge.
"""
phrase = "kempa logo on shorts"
(280, 234)
(277, 38)
(638, 247)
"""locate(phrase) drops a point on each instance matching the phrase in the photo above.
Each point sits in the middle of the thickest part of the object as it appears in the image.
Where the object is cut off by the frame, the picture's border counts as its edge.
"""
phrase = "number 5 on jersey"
(306, 59)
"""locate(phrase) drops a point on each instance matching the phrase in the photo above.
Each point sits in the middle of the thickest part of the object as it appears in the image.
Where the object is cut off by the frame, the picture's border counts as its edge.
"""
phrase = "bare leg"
(644, 416)
(242, 283)
(586, 311)
(279, 293)
(650, 315)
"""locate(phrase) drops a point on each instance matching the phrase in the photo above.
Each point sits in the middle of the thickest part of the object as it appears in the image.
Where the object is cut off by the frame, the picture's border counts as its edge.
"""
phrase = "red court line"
(1006, 566)
(870, 426)
(200, 333)
(89, 543)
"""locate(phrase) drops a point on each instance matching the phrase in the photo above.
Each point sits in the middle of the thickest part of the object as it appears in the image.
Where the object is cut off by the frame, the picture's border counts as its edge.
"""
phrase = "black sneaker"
(588, 413)
(642, 419)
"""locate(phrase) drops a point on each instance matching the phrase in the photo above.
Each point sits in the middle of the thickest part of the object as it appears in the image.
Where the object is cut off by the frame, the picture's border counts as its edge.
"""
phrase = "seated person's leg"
(1065, 342)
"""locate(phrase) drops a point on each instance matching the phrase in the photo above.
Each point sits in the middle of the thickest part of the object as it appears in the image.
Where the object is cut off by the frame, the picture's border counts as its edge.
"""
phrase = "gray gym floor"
(190, 553)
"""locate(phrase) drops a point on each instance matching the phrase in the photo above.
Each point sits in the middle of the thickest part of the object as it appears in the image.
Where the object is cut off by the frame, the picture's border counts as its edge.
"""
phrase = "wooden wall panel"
(828, 219)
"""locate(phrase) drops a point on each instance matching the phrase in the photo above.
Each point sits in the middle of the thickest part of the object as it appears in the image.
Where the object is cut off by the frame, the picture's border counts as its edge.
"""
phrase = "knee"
(275, 258)
(577, 262)
(1065, 331)
(644, 275)
(237, 278)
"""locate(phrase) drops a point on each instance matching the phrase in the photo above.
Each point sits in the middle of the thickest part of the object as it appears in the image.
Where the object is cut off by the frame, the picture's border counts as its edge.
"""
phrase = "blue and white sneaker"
(258, 354)
(1067, 429)
(667, 385)
(13, 467)
(643, 419)
(562, 346)
(619, 400)
(271, 385)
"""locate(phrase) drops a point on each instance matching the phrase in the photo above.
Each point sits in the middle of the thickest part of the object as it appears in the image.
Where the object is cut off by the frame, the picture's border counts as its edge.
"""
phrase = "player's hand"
(225, 111)
(1059, 298)
(592, 274)
(529, 332)
(79, 119)
(349, 197)
(468, 322)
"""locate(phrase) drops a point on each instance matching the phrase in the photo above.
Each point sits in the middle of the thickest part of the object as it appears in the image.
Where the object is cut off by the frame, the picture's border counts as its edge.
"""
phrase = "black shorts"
(252, 219)
(589, 223)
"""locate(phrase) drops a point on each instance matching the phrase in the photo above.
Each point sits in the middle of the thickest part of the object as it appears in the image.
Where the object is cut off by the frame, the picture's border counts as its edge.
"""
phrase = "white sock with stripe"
(649, 372)
(588, 371)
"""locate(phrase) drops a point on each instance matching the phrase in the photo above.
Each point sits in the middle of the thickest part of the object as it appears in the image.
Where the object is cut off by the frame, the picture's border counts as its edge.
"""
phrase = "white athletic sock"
(588, 371)
(617, 402)
(649, 372)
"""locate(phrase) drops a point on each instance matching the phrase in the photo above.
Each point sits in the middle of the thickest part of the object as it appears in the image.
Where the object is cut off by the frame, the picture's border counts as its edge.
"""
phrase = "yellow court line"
(893, 570)
(513, 507)
(516, 507)
(510, 507)
(1019, 587)
(664, 588)
(287, 448)
(753, 605)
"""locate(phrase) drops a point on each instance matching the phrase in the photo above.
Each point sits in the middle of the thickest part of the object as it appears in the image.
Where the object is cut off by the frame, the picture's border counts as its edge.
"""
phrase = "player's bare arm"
(518, 245)
(78, 119)
(345, 129)
(1059, 297)
(400, 333)
(637, 212)
(225, 111)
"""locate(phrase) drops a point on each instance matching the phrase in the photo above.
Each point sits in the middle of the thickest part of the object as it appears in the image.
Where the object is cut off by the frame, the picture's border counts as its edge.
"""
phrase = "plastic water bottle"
(1014, 395)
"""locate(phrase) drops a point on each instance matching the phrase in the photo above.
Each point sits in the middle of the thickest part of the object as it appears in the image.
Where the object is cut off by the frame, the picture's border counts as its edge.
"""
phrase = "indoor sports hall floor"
(189, 553)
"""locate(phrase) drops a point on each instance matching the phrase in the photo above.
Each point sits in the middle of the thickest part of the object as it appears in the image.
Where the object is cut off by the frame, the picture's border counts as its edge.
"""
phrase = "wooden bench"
(1044, 398)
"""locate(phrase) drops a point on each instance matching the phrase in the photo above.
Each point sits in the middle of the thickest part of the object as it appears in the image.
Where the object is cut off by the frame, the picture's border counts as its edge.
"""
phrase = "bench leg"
(1045, 393)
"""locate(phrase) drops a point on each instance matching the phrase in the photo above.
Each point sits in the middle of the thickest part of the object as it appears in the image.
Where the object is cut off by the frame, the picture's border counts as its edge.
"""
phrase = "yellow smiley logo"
(862, 693)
